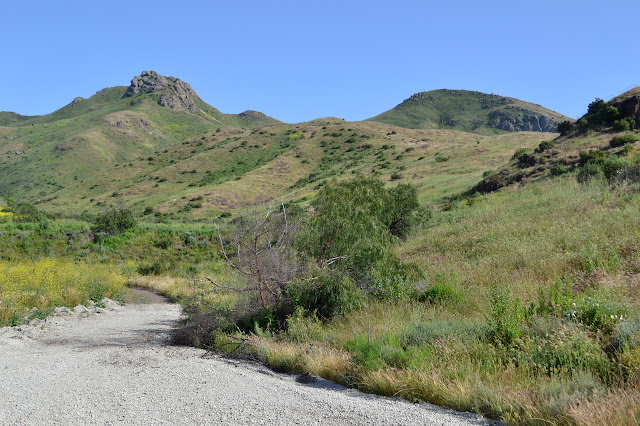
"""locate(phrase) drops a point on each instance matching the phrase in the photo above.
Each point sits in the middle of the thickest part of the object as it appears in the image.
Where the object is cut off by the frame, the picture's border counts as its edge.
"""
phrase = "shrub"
(592, 156)
(618, 141)
(626, 150)
(612, 166)
(589, 171)
(544, 146)
(601, 312)
(564, 127)
(505, 318)
(627, 334)
(557, 170)
(554, 347)
(443, 290)
(621, 125)
(114, 221)
(328, 295)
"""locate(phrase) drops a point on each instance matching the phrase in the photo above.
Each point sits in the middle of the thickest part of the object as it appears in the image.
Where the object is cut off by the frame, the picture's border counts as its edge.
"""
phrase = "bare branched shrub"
(259, 245)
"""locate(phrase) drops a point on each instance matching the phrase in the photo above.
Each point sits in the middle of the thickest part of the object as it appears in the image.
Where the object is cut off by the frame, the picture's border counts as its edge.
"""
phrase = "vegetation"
(520, 304)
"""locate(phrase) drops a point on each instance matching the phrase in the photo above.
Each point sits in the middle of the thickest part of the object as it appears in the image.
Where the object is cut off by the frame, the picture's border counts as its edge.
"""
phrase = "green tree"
(564, 127)
(353, 225)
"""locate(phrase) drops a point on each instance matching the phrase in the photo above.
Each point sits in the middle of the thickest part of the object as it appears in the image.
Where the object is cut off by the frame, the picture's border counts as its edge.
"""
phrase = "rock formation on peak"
(173, 93)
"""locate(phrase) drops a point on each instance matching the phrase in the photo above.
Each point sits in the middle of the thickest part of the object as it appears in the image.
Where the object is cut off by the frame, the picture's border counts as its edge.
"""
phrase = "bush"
(544, 146)
(592, 156)
(114, 221)
(621, 125)
(601, 312)
(328, 295)
(506, 317)
(519, 153)
(564, 127)
(554, 347)
(627, 334)
(443, 290)
(589, 171)
(557, 170)
(618, 141)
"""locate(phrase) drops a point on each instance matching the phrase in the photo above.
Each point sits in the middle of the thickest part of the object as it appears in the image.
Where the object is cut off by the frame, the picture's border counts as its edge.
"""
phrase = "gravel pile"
(111, 364)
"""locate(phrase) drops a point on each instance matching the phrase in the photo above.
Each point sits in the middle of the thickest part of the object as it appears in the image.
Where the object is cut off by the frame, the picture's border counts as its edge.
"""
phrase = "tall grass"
(48, 283)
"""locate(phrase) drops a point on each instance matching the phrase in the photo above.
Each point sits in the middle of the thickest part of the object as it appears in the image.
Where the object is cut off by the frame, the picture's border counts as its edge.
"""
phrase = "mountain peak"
(174, 93)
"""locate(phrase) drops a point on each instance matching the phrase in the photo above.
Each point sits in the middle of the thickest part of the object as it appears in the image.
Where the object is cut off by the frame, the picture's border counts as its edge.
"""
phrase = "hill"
(156, 144)
(611, 128)
(470, 112)
(43, 154)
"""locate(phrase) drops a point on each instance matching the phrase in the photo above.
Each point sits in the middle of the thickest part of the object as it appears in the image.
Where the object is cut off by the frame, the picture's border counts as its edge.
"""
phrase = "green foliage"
(601, 311)
(26, 212)
(618, 141)
(114, 221)
(427, 333)
(353, 225)
(564, 127)
(303, 326)
(329, 294)
(520, 153)
(621, 125)
(558, 300)
(627, 334)
(592, 156)
(557, 170)
(444, 290)
(505, 318)
(544, 146)
(554, 347)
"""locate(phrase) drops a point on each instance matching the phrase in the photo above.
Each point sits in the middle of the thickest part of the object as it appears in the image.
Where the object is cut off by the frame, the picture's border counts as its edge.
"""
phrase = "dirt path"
(114, 367)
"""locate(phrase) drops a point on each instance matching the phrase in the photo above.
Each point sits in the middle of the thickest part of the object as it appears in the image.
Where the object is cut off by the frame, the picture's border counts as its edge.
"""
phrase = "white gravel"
(113, 366)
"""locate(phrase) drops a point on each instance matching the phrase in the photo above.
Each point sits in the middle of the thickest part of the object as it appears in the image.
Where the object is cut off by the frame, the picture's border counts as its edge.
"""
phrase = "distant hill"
(40, 155)
(7, 118)
(470, 112)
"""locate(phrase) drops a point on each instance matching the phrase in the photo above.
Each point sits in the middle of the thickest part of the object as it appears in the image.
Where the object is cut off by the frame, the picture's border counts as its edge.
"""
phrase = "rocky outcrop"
(521, 120)
(172, 93)
(630, 107)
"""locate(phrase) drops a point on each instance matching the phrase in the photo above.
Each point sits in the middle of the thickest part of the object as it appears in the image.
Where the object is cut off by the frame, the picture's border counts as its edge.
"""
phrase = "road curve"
(114, 366)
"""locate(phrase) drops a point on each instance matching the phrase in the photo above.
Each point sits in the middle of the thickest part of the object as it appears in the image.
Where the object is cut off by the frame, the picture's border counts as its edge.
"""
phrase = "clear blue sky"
(298, 60)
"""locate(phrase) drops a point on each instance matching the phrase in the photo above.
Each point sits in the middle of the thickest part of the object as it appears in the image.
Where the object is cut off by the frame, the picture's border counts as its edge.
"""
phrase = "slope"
(471, 112)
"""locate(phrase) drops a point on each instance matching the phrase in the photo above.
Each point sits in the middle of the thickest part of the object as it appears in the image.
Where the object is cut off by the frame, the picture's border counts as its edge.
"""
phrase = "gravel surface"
(113, 365)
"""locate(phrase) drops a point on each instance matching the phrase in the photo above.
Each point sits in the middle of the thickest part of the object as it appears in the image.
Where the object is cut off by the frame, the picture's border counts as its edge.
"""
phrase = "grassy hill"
(470, 112)
(41, 155)
(612, 129)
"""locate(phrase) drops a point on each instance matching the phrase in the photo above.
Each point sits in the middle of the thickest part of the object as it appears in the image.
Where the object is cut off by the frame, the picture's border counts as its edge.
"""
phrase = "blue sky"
(297, 60)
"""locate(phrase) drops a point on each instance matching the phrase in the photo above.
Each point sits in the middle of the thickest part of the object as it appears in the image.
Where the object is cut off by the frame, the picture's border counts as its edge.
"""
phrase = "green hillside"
(611, 129)
(470, 112)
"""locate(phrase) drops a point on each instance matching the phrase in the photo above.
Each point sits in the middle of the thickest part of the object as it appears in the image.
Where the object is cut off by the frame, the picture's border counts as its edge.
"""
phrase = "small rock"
(109, 304)
(62, 311)
(306, 378)
(80, 309)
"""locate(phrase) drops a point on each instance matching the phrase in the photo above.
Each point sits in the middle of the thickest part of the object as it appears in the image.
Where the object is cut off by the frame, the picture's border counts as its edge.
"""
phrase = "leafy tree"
(596, 106)
(353, 225)
(564, 127)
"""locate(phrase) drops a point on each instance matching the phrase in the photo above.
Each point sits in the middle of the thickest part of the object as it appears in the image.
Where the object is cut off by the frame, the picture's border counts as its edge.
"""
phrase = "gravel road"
(114, 366)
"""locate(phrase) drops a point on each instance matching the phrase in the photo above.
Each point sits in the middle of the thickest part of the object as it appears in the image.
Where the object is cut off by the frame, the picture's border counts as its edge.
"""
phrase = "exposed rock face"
(630, 107)
(522, 121)
(175, 94)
